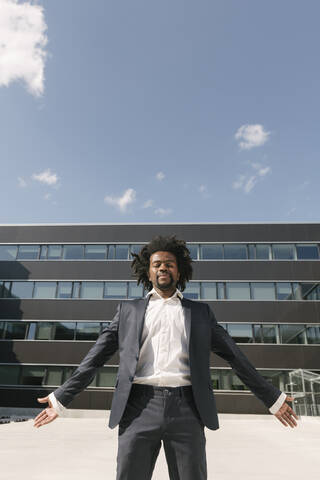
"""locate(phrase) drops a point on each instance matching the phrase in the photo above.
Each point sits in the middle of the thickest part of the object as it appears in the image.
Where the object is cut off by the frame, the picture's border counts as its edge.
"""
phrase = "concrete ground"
(245, 447)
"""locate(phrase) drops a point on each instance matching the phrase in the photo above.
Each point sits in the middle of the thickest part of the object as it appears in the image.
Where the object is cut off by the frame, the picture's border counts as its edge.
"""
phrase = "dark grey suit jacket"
(203, 335)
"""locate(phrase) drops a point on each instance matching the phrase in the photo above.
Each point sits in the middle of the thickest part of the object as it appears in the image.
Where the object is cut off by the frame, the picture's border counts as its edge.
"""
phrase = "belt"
(150, 390)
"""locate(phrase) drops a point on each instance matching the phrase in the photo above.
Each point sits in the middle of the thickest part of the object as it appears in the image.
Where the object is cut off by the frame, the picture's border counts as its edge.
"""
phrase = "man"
(163, 387)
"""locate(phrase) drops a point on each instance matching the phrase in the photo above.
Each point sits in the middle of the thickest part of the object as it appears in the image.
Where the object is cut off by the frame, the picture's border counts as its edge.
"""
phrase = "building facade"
(60, 285)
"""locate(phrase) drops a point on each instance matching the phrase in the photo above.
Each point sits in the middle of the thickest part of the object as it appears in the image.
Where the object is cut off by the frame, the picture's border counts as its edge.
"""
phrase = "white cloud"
(246, 182)
(160, 176)
(123, 202)
(250, 136)
(22, 182)
(22, 44)
(202, 189)
(46, 177)
(147, 204)
(162, 212)
(47, 196)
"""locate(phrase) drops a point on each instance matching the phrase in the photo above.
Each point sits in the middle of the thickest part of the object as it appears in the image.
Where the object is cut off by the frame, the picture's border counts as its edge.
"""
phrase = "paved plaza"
(245, 447)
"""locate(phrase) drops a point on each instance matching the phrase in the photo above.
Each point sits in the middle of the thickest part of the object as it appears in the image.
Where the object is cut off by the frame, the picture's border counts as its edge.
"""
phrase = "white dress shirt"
(164, 357)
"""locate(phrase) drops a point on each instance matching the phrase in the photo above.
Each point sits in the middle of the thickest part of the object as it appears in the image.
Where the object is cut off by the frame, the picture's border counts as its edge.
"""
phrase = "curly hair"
(141, 262)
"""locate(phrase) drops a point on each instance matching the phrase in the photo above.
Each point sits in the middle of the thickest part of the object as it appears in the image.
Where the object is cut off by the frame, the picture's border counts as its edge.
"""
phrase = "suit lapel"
(187, 319)
(140, 312)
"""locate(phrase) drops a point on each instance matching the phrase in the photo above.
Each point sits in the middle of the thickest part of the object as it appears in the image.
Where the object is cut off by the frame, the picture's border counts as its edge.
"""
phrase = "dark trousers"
(161, 414)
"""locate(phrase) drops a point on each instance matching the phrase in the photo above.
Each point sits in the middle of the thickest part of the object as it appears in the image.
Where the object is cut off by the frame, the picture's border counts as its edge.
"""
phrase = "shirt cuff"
(59, 408)
(278, 404)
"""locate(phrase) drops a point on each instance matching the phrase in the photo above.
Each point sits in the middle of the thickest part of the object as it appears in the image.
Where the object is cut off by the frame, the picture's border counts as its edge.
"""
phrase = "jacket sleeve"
(223, 345)
(105, 346)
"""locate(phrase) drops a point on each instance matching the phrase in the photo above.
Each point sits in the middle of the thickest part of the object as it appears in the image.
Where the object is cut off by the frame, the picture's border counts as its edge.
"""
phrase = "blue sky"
(171, 111)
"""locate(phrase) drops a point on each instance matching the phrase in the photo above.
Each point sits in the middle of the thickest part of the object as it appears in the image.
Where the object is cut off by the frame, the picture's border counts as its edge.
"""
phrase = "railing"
(304, 386)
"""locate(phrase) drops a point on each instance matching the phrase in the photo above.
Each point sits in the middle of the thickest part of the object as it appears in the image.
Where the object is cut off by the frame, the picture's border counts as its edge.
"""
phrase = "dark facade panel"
(252, 232)
(277, 356)
(62, 353)
(104, 310)
(121, 270)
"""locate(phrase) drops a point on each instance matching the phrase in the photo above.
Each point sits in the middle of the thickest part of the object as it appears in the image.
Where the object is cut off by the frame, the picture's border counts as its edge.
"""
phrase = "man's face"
(163, 271)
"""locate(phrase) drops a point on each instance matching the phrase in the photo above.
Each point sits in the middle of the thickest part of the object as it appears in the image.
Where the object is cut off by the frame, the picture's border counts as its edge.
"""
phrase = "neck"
(165, 293)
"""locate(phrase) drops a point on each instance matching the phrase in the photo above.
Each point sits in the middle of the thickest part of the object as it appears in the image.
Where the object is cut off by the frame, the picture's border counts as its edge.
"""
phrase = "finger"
(43, 400)
(282, 421)
(41, 415)
(290, 420)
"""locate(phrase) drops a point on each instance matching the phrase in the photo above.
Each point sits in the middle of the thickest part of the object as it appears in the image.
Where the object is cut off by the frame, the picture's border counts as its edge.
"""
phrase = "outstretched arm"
(102, 350)
(223, 345)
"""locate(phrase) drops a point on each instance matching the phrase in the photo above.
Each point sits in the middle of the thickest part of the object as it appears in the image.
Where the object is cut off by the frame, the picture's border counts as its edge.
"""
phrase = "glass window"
(87, 331)
(263, 291)
(54, 376)
(76, 290)
(309, 291)
(211, 252)
(262, 251)
(208, 290)
(252, 251)
(9, 374)
(284, 291)
(115, 290)
(28, 252)
(2, 325)
(221, 290)
(237, 384)
(135, 249)
(104, 325)
(241, 332)
(192, 291)
(32, 375)
(91, 290)
(122, 252)
(107, 377)
(73, 252)
(265, 334)
(193, 249)
(31, 331)
(235, 252)
(313, 334)
(135, 291)
(15, 330)
(64, 289)
(283, 252)
(54, 252)
(238, 290)
(296, 289)
(95, 252)
(307, 252)
(215, 379)
(8, 252)
(45, 289)
(274, 377)
(43, 252)
(21, 289)
(43, 331)
(64, 330)
(67, 372)
(226, 381)
(5, 289)
(292, 334)
(111, 252)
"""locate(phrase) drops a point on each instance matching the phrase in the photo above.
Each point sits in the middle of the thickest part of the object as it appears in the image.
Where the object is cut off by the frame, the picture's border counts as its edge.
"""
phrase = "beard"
(166, 286)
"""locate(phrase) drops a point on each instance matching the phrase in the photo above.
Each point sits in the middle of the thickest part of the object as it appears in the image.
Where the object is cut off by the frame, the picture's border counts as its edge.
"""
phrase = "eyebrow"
(166, 260)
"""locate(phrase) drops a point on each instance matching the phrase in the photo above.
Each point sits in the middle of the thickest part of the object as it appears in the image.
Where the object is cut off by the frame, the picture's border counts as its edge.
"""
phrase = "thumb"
(43, 400)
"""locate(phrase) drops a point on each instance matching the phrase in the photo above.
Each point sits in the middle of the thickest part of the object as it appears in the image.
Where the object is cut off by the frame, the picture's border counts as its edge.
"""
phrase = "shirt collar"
(153, 292)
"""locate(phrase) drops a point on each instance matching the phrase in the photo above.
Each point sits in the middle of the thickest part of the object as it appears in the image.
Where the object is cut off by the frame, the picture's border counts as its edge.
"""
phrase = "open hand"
(47, 415)
(286, 415)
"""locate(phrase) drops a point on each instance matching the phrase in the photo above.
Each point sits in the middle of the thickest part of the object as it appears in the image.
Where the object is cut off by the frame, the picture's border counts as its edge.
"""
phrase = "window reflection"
(44, 289)
(263, 291)
(211, 252)
(73, 252)
(193, 249)
(15, 330)
(307, 252)
(122, 252)
(95, 252)
(313, 334)
(283, 252)
(64, 289)
(28, 252)
(115, 290)
(209, 290)
(192, 291)
(21, 289)
(262, 251)
(238, 290)
(135, 291)
(87, 330)
(8, 252)
(235, 252)
(241, 333)
(91, 290)
(284, 291)
(292, 334)
(54, 252)
(135, 249)
(64, 330)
